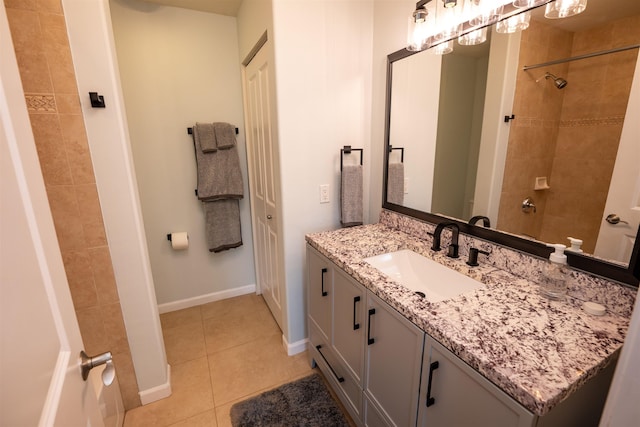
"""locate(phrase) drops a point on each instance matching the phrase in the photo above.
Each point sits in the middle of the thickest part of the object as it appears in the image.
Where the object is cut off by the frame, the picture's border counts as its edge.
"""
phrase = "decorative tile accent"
(41, 103)
(596, 121)
(536, 350)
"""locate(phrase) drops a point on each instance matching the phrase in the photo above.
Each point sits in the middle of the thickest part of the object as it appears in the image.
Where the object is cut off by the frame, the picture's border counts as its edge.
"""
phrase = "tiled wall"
(570, 135)
(532, 137)
(44, 59)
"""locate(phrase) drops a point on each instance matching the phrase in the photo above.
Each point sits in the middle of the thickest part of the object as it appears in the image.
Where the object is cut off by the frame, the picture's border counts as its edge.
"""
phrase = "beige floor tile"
(206, 419)
(180, 317)
(191, 396)
(248, 368)
(244, 305)
(185, 342)
(238, 326)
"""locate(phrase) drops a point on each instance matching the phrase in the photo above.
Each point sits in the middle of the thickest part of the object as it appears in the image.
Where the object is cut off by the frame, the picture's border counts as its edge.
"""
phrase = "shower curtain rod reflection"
(585, 56)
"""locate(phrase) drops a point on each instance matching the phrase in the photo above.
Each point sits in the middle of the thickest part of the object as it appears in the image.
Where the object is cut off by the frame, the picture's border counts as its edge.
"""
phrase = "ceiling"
(219, 7)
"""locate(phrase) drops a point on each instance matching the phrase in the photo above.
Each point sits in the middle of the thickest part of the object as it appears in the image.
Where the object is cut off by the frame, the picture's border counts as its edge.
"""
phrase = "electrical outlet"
(324, 193)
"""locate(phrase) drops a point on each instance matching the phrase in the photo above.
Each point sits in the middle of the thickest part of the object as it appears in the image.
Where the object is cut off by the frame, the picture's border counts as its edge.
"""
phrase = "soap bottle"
(553, 283)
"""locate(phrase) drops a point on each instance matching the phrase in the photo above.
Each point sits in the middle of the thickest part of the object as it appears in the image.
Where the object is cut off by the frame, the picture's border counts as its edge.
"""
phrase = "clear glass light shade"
(484, 12)
(528, 3)
(418, 34)
(448, 20)
(565, 8)
(514, 23)
(442, 48)
(474, 37)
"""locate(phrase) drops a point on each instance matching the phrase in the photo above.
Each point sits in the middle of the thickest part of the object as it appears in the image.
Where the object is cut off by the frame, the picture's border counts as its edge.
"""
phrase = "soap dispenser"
(553, 282)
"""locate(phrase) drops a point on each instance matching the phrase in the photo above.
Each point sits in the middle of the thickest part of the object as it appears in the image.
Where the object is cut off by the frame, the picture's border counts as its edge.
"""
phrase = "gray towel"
(395, 183)
(219, 175)
(205, 137)
(225, 135)
(222, 220)
(351, 196)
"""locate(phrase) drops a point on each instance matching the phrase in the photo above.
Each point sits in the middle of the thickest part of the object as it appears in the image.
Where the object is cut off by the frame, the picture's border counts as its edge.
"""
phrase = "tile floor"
(220, 353)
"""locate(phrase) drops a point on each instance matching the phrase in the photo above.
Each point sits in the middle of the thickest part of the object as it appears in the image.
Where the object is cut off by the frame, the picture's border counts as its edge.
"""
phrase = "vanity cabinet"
(335, 305)
(393, 363)
(453, 394)
(369, 353)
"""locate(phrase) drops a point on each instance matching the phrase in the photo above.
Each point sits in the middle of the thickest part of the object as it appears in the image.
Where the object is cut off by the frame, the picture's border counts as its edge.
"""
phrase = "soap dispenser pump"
(553, 283)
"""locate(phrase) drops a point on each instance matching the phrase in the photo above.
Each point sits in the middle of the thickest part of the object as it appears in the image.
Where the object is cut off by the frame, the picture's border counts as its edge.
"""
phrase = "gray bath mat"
(305, 402)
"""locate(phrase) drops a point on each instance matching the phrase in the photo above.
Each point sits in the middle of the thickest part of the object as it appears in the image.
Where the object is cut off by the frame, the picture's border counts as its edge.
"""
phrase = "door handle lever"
(614, 219)
(87, 363)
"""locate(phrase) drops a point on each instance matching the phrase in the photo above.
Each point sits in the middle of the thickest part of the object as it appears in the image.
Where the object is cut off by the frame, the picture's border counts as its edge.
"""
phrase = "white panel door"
(40, 380)
(264, 179)
(615, 241)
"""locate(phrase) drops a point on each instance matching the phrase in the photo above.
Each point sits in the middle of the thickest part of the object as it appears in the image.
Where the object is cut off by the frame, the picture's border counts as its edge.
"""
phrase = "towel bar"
(347, 150)
(190, 131)
(391, 148)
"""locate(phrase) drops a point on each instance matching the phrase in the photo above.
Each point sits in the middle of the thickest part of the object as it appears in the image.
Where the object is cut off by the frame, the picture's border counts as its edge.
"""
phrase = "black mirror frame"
(627, 275)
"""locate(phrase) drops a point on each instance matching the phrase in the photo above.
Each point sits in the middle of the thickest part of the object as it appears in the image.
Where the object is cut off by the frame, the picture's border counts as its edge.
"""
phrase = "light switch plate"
(324, 193)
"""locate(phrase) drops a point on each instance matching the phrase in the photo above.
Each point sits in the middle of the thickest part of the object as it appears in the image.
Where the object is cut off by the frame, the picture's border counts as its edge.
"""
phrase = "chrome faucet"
(486, 222)
(455, 231)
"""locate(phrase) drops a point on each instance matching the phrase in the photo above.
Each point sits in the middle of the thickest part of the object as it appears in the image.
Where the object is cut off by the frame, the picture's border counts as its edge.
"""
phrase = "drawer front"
(344, 384)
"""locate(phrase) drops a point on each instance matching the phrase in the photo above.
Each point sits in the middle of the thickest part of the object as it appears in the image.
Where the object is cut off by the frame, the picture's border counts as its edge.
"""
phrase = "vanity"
(499, 355)
(453, 343)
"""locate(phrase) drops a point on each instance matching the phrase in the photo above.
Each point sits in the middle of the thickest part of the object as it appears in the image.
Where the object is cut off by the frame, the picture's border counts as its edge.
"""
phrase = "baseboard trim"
(203, 299)
(296, 347)
(158, 392)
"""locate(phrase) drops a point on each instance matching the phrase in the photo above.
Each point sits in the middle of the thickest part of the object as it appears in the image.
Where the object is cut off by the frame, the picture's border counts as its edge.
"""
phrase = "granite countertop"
(537, 350)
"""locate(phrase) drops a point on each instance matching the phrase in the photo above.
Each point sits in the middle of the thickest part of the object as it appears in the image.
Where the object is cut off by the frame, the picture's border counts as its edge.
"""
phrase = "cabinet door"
(348, 322)
(453, 394)
(393, 362)
(319, 289)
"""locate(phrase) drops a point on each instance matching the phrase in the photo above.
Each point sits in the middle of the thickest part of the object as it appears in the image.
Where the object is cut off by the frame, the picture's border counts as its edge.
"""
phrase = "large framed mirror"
(536, 131)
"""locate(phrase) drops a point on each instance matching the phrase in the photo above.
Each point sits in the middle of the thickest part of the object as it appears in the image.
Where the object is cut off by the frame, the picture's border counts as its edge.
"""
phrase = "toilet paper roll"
(179, 240)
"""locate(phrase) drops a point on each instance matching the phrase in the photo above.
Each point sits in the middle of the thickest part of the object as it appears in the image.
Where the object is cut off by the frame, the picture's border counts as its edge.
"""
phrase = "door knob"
(269, 217)
(614, 219)
(87, 363)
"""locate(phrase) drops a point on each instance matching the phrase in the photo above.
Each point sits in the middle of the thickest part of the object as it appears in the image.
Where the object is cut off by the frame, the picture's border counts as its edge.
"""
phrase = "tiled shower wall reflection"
(44, 58)
(570, 135)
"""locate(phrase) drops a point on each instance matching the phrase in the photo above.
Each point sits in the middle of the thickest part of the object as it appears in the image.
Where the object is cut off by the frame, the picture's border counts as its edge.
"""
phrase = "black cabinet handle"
(340, 379)
(355, 325)
(370, 340)
(432, 367)
(324, 293)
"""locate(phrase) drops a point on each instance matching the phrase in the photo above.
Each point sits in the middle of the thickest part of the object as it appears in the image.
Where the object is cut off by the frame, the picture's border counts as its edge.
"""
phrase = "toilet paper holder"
(169, 237)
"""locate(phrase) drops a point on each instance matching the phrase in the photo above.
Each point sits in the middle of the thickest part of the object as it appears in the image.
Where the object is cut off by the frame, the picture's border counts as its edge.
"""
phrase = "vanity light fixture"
(418, 33)
(474, 37)
(564, 8)
(442, 48)
(529, 3)
(484, 12)
(514, 23)
(445, 20)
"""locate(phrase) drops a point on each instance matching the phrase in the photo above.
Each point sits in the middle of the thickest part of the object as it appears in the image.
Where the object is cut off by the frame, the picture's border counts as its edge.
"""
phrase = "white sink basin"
(420, 274)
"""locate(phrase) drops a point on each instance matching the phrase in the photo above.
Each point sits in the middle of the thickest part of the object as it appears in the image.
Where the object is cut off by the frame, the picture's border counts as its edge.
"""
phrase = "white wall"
(179, 66)
(323, 74)
(389, 35)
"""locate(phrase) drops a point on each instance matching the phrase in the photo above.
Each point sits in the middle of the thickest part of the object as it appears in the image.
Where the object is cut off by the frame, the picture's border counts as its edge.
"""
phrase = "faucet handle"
(453, 251)
(473, 256)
